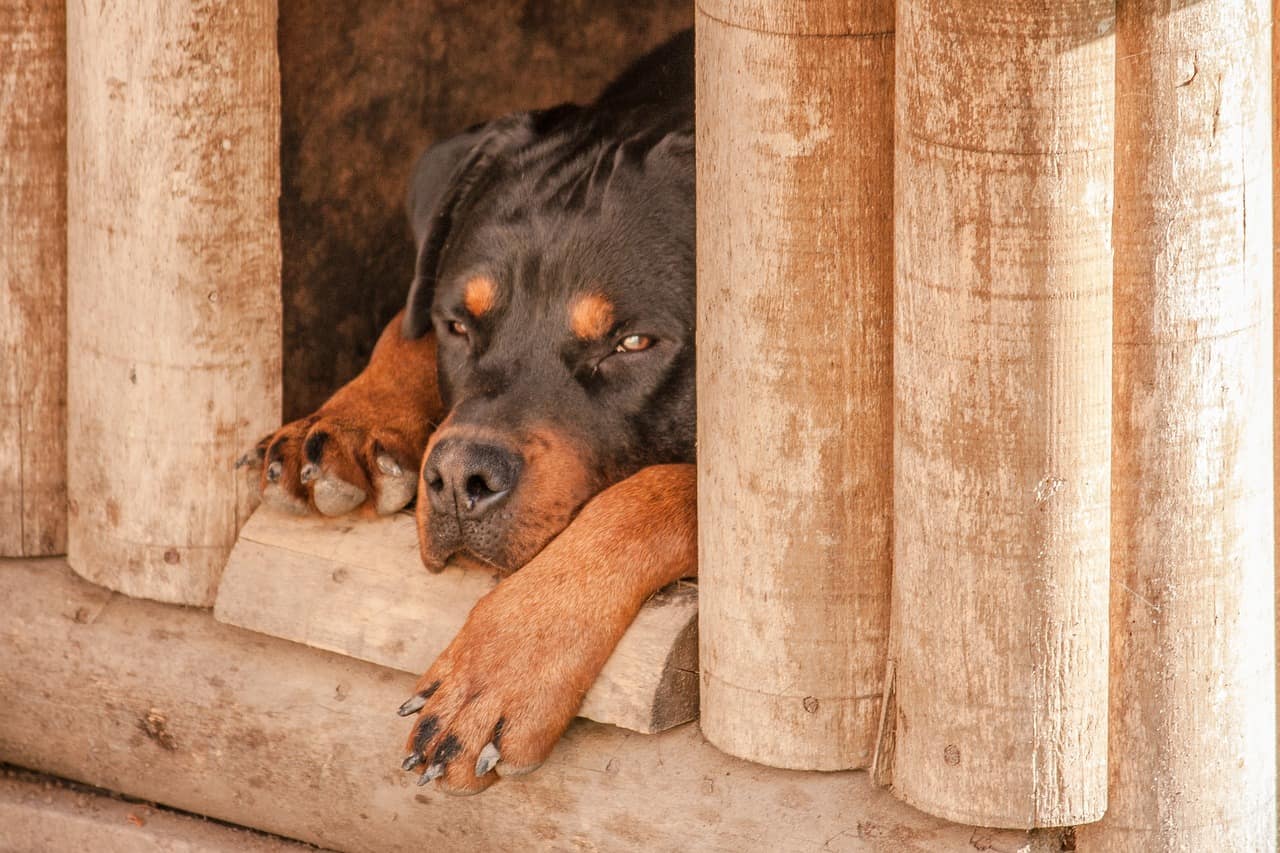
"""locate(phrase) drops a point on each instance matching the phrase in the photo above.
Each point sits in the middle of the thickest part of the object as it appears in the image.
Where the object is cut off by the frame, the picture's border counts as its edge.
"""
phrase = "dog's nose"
(468, 478)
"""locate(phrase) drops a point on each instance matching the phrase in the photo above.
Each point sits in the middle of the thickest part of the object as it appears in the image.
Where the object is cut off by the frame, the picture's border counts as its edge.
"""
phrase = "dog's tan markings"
(480, 295)
(591, 316)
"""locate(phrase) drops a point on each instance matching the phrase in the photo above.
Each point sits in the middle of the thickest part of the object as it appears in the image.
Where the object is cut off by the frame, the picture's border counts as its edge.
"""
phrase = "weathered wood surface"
(795, 237)
(357, 587)
(173, 284)
(1002, 416)
(1192, 615)
(167, 704)
(33, 272)
(43, 815)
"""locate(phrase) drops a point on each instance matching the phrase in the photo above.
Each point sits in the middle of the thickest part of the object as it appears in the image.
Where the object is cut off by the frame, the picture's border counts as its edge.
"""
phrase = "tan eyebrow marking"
(591, 316)
(479, 295)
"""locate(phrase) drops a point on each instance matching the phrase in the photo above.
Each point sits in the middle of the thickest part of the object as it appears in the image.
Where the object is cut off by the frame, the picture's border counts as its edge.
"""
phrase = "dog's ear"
(444, 179)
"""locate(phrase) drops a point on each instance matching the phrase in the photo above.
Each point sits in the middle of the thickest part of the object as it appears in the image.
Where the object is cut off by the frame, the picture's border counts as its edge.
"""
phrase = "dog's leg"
(363, 447)
(499, 697)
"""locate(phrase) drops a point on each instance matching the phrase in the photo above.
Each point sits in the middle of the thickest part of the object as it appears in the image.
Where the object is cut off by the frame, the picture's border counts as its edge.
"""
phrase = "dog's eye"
(634, 343)
(458, 327)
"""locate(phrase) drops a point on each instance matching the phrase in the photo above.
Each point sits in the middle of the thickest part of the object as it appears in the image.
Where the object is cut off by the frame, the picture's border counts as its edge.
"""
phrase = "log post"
(1002, 380)
(33, 248)
(1192, 615)
(795, 148)
(173, 284)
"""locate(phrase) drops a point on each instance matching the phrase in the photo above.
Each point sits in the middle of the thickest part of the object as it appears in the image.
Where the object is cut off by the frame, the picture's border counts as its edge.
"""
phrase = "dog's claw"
(432, 773)
(309, 472)
(274, 470)
(389, 466)
(412, 705)
(489, 757)
(411, 761)
(253, 457)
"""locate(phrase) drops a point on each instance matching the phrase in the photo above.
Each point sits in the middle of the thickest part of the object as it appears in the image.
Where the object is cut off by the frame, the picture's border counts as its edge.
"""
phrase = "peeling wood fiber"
(1002, 376)
(173, 285)
(795, 235)
(1192, 610)
(33, 272)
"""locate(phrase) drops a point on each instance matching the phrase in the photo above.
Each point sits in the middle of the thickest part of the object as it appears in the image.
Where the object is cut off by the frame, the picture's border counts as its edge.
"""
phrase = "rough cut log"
(167, 704)
(173, 285)
(1192, 698)
(33, 249)
(795, 170)
(38, 814)
(1002, 382)
(358, 588)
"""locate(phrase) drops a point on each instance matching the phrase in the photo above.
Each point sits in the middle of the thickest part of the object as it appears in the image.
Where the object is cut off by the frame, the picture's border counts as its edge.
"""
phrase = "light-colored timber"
(33, 278)
(795, 236)
(1002, 372)
(167, 704)
(1192, 613)
(39, 814)
(357, 587)
(173, 284)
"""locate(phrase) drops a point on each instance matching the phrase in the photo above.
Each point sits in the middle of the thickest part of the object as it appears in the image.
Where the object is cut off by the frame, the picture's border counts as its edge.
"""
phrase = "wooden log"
(39, 813)
(1002, 377)
(167, 704)
(1192, 613)
(173, 285)
(795, 134)
(33, 248)
(357, 587)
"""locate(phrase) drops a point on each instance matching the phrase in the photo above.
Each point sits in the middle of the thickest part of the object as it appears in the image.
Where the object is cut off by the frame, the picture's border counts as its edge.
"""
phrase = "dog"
(536, 398)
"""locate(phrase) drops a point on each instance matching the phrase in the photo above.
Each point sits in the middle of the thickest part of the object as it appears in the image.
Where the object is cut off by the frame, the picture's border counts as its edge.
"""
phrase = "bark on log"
(795, 133)
(1192, 616)
(173, 285)
(1002, 380)
(164, 703)
(33, 273)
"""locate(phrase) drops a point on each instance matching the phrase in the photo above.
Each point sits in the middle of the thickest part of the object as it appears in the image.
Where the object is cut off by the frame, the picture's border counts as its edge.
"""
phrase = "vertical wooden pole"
(795, 131)
(1192, 689)
(33, 244)
(1002, 378)
(173, 284)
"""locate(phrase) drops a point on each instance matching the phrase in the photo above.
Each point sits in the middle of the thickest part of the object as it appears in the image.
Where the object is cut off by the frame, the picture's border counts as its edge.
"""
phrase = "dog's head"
(556, 268)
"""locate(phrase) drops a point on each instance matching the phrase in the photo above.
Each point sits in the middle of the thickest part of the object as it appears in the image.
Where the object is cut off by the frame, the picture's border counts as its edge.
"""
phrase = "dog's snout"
(469, 479)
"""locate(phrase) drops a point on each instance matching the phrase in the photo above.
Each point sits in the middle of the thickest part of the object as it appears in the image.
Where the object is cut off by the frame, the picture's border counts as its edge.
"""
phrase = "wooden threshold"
(164, 703)
(357, 587)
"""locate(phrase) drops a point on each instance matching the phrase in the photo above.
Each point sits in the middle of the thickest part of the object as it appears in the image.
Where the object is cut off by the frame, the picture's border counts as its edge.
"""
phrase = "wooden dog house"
(991, 535)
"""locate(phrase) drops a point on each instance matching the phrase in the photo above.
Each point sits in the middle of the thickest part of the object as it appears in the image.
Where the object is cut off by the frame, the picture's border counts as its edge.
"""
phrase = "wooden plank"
(33, 269)
(1002, 362)
(40, 813)
(795, 390)
(173, 285)
(1193, 565)
(357, 587)
(167, 704)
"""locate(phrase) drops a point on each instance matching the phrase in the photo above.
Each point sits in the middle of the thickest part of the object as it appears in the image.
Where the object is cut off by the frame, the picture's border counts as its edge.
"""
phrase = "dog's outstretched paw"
(500, 696)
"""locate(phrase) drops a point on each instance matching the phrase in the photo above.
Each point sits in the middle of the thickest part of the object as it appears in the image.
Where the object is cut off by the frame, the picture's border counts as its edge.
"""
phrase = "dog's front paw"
(499, 697)
(337, 461)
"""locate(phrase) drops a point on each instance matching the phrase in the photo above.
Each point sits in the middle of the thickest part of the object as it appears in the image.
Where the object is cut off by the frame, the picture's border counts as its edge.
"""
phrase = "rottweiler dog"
(536, 395)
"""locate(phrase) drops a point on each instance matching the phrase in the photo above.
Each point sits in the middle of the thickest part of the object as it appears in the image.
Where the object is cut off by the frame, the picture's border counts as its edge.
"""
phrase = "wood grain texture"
(33, 247)
(173, 285)
(794, 387)
(1002, 416)
(43, 815)
(358, 588)
(1192, 612)
(164, 703)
